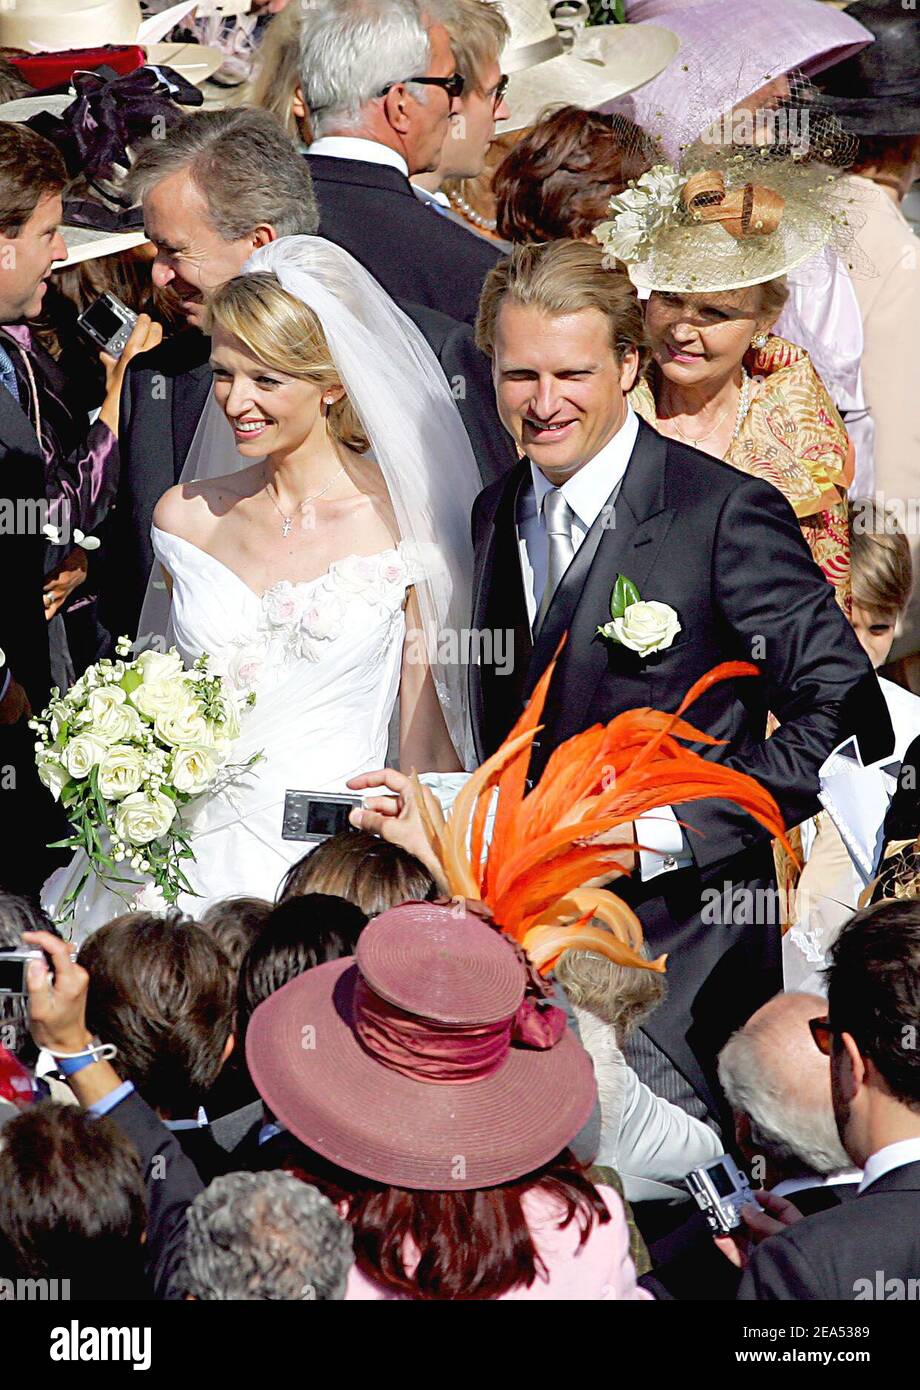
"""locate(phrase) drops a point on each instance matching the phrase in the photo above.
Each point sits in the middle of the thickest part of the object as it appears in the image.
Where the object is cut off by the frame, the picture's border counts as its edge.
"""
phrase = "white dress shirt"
(355, 147)
(887, 1159)
(587, 492)
(437, 201)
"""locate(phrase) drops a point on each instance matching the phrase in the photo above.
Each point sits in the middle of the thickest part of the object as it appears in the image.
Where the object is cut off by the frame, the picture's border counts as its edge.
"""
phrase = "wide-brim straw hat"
(607, 61)
(449, 976)
(56, 25)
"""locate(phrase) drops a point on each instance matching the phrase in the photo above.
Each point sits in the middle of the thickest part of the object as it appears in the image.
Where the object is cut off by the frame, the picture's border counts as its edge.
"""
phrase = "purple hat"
(728, 51)
(419, 1062)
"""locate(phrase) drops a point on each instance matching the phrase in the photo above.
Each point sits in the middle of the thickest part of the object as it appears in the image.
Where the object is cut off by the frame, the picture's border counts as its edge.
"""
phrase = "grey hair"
(256, 1237)
(351, 49)
(244, 163)
(619, 995)
(784, 1125)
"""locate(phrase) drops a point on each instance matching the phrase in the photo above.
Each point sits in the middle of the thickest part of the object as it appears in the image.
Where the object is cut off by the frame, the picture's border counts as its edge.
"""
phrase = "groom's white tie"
(557, 518)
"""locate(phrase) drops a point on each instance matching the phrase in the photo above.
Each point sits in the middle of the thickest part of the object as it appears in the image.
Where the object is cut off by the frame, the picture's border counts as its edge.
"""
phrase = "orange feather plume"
(550, 844)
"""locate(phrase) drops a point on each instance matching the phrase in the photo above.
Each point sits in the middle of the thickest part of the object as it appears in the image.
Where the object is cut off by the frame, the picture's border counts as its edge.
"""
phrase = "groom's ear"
(629, 368)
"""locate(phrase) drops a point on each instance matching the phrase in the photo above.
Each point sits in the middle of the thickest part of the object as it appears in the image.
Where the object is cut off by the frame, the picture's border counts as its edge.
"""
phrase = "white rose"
(246, 666)
(193, 769)
(358, 573)
(645, 627)
(121, 771)
(324, 618)
(141, 818)
(53, 776)
(82, 754)
(161, 697)
(183, 728)
(159, 666)
(110, 716)
(282, 603)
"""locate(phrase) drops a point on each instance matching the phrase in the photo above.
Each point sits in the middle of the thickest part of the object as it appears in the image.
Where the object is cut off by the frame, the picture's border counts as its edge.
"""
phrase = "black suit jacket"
(371, 210)
(726, 552)
(172, 1184)
(23, 630)
(163, 395)
(867, 1248)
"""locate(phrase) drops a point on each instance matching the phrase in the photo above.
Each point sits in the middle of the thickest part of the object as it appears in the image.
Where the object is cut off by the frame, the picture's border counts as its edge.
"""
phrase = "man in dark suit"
(598, 495)
(214, 189)
(868, 1248)
(194, 212)
(377, 121)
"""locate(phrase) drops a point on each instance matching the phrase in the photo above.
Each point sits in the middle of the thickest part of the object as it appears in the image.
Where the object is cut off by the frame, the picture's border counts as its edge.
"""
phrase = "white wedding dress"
(323, 659)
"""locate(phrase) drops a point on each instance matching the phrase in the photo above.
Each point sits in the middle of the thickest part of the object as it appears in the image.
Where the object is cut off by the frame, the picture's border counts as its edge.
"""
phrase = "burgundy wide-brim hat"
(401, 1063)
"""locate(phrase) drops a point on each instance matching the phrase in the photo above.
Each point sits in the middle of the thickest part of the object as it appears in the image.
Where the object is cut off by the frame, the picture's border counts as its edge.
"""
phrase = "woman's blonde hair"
(616, 994)
(880, 564)
(280, 330)
(277, 74)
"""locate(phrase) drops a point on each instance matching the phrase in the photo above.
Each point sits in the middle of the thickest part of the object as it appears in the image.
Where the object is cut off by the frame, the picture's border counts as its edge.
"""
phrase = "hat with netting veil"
(424, 1061)
(728, 218)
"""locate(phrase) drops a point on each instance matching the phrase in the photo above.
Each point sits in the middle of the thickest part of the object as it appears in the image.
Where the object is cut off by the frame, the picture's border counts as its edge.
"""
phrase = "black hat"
(877, 91)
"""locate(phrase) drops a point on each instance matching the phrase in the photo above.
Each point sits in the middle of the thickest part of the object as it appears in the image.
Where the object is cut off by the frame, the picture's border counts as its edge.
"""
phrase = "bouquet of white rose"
(127, 747)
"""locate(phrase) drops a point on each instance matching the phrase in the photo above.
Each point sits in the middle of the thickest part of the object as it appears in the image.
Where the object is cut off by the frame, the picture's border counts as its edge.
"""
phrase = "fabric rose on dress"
(141, 818)
(645, 627)
(282, 604)
(121, 771)
(245, 667)
(359, 574)
(323, 618)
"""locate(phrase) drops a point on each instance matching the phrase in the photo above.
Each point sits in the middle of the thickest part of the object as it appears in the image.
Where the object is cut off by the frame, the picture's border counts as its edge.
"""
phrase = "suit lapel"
(16, 429)
(499, 604)
(189, 395)
(626, 539)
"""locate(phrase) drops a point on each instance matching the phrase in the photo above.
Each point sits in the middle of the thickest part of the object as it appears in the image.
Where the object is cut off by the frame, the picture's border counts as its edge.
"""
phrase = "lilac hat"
(422, 1062)
(728, 51)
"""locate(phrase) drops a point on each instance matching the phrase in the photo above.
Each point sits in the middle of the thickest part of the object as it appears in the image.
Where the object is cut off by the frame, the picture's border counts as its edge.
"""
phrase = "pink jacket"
(601, 1269)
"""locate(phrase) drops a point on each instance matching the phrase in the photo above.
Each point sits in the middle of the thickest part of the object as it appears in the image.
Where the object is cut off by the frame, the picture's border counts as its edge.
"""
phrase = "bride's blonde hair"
(280, 330)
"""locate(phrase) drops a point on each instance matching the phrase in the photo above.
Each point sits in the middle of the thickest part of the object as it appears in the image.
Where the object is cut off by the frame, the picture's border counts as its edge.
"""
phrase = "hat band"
(530, 55)
(441, 1054)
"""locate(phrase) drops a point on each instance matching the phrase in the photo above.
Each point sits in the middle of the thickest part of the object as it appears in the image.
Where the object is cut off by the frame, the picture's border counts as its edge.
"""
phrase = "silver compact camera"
(14, 966)
(721, 1190)
(316, 815)
(109, 323)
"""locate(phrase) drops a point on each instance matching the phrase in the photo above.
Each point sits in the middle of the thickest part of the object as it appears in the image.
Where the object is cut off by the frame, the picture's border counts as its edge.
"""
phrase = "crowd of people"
(518, 419)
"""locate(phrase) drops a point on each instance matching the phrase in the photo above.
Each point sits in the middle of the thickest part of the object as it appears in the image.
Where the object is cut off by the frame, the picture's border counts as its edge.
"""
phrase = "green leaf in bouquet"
(130, 681)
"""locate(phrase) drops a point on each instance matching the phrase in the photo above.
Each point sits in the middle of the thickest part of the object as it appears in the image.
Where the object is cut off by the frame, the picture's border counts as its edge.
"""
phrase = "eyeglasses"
(452, 85)
(499, 90)
(823, 1033)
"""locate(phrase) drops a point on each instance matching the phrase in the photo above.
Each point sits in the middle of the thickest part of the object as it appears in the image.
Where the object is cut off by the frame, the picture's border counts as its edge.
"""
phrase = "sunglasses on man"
(823, 1034)
(452, 85)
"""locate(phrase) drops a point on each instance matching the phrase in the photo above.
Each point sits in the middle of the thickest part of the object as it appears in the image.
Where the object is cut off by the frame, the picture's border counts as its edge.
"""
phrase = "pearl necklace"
(459, 204)
(287, 522)
(744, 401)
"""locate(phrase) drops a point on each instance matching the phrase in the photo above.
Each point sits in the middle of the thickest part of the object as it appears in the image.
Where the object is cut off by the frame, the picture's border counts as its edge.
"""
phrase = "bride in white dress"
(317, 549)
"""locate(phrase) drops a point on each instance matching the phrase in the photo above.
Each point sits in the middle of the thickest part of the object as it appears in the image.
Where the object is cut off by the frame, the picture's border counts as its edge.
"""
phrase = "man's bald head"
(773, 1074)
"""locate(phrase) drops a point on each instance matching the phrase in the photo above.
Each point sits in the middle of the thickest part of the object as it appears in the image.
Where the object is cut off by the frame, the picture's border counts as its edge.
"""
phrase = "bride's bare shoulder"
(188, 508)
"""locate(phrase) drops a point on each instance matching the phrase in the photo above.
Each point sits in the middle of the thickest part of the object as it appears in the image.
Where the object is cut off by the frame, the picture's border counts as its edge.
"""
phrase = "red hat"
(419, 1062)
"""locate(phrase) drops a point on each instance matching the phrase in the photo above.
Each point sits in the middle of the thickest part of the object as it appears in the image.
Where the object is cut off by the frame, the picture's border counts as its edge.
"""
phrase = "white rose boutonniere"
(643, 625)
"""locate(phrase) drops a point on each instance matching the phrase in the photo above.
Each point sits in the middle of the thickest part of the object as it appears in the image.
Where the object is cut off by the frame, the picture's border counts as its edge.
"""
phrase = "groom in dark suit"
(599, 494)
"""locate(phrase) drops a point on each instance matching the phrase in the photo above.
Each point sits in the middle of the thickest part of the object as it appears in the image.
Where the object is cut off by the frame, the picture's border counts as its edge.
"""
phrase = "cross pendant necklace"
(287, 522)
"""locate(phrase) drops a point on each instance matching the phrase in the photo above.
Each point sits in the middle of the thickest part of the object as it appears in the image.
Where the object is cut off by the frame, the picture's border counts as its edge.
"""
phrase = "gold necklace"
(287, 522)
(743, 402)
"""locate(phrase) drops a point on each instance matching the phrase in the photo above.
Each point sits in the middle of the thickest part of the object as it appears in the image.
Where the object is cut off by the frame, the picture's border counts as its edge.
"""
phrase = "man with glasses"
(382, 85)
(869, 1248)
(478, 33)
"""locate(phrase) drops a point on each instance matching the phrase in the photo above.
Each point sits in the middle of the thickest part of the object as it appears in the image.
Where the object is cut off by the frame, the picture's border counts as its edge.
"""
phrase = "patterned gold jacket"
(793, 437)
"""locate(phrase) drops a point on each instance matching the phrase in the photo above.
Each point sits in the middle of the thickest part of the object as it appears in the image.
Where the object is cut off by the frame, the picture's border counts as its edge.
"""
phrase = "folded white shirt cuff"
(663, 846)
